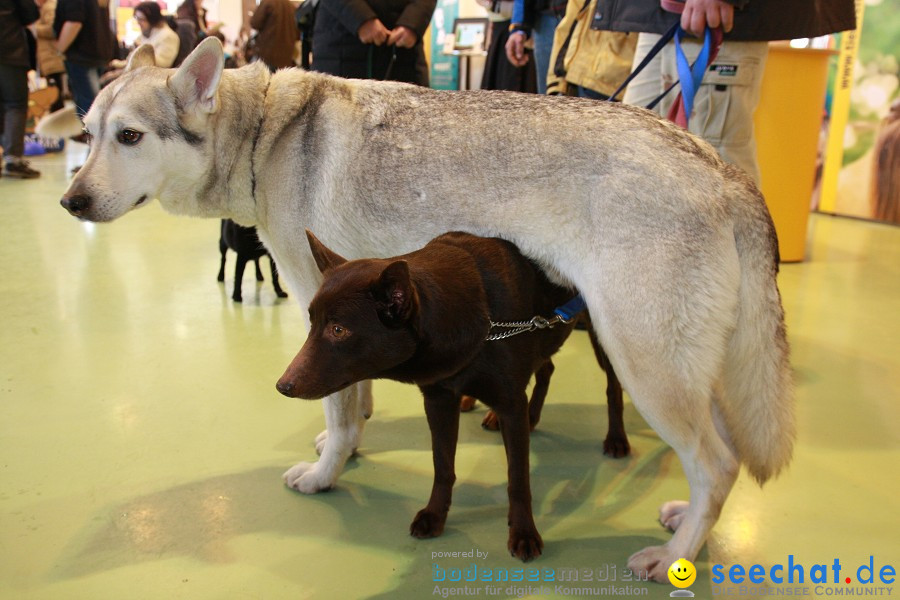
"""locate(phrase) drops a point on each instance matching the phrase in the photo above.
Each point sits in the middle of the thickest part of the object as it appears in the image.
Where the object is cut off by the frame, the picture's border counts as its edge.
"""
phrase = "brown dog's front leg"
(524, 540)
(442, 410)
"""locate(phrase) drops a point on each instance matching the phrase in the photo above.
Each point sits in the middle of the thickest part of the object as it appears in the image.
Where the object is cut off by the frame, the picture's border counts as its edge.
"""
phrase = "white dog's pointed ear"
(142, 57)
(197, 79)
(326, 259)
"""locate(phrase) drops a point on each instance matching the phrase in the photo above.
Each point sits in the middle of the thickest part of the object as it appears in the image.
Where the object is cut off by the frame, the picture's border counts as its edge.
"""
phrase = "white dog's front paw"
(307, 478)
(653, 560)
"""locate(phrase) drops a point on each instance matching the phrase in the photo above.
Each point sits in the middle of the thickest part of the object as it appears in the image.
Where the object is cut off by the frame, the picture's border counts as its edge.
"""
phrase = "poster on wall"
(861, 176)
(444, 68)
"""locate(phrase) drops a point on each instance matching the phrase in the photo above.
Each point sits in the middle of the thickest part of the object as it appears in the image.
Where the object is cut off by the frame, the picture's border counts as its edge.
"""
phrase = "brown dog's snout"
(286, 387)
(77, 204)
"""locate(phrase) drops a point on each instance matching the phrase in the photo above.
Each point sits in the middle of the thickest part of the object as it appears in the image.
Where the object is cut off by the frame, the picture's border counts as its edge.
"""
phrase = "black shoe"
(20, 170)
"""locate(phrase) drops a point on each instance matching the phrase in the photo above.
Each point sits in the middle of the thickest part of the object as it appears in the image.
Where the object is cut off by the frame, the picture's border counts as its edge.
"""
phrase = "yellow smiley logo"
(682, 573)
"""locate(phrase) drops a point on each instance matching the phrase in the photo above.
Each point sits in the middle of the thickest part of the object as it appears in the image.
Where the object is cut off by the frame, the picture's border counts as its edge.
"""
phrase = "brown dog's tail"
(758, 402)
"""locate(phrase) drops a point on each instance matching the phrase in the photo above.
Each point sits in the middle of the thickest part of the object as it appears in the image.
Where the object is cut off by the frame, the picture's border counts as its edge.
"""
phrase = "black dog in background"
(244, 241)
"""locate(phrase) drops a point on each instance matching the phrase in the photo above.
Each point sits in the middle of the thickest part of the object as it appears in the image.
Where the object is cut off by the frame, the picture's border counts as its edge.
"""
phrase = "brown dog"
(424, 318)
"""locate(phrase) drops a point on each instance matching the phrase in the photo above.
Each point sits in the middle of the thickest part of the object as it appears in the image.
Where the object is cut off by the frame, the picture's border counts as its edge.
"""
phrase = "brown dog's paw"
(467, 404)
(427, 524)
(491, 421)
(615, 446)
(525, 545)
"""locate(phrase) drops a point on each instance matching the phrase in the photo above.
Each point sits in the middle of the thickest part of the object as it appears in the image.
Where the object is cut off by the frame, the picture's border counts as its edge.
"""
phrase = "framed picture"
(471, 34)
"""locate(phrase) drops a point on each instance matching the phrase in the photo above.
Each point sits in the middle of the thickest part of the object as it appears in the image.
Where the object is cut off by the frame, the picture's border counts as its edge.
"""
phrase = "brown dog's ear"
(396, 296)
(325, 258)
(142, 57)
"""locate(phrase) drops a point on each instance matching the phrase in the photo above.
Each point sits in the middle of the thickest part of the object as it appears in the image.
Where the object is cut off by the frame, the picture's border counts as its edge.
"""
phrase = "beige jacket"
(50, 61)
(597, 60)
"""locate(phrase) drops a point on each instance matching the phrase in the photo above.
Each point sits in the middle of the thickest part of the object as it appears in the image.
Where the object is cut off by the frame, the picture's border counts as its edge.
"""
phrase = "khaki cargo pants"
(724, 104)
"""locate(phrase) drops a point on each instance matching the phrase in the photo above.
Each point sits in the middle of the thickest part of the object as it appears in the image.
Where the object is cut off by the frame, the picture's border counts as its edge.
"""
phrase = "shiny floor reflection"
(142, 439)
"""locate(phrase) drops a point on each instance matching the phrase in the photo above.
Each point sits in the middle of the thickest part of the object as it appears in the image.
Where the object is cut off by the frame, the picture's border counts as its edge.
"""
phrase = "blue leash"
(690, 77)
(570, 309)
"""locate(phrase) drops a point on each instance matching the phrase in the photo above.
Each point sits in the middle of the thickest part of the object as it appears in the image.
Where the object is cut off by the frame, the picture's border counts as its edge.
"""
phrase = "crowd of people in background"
(570, 47)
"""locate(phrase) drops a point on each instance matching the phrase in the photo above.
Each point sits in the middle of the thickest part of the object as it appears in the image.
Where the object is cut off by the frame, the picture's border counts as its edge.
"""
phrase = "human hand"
(402, 37)
(515, 49)
(373, 31)
(701, 13)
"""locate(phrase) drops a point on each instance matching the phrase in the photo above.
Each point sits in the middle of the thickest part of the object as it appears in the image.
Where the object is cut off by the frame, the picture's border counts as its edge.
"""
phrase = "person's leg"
(14, 98)
(56, 80)
(84, 83)
(724, 105)
(544, 29)
(648, 84)
(14, 102)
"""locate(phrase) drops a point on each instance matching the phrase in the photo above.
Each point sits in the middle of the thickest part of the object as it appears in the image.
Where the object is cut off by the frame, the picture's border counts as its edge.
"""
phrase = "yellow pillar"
(787, 123)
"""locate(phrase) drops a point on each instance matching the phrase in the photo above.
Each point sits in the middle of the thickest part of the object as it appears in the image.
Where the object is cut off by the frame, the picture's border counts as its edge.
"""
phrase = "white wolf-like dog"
(673, 250)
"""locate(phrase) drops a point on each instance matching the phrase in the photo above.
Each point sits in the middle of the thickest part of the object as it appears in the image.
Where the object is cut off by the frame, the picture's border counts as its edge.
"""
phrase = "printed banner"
(861, 176)
(444, 68)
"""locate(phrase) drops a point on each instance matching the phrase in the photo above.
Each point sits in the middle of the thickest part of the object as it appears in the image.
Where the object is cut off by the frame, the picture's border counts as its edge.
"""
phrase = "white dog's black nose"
(76, 204)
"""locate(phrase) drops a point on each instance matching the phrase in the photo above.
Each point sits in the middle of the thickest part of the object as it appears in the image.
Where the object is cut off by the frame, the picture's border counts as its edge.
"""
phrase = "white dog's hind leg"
(711, 467)
(664, 316)
(345, 422)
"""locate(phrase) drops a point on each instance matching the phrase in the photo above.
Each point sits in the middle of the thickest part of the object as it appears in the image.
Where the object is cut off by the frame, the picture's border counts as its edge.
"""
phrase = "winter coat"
(278, 32)
(50, 61)
(337, 49)
(597, 60)
(15, 15)
(754, 20)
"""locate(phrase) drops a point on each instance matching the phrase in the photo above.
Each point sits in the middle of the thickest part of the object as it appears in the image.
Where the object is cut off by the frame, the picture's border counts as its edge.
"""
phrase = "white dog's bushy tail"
(758, 399)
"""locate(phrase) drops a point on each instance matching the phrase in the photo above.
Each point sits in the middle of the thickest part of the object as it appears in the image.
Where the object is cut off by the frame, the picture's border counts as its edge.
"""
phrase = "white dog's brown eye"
(130, 137)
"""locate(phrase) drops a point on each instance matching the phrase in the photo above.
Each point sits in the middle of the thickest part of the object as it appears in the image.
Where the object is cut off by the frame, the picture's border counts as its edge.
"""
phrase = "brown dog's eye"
(129, 137)
(338, 332)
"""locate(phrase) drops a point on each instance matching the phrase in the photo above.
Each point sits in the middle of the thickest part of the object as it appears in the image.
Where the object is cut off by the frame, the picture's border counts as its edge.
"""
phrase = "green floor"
(142, 439)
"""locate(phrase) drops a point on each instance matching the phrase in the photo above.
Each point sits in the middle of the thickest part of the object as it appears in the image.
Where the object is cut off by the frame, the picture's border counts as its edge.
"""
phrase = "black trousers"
(14, 106)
